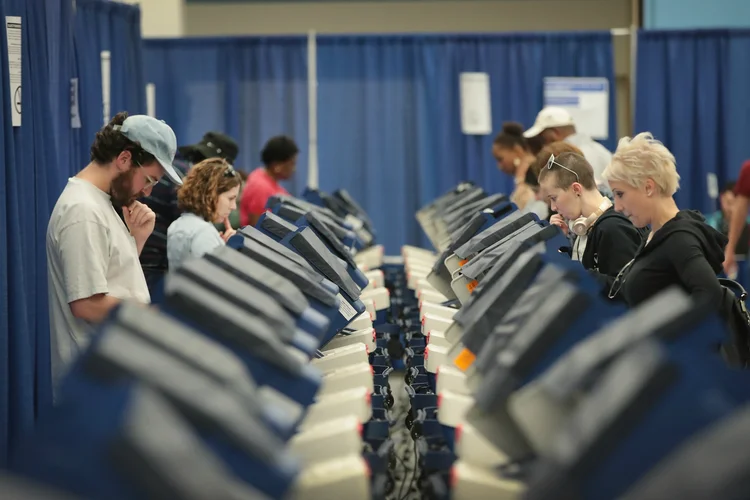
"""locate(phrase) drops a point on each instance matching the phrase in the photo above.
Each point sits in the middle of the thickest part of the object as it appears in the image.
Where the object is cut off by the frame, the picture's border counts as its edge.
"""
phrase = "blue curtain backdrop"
(29, 182)
(389, 112)
(691, 93)
(250, 88)
(116, 27)
(37, 158)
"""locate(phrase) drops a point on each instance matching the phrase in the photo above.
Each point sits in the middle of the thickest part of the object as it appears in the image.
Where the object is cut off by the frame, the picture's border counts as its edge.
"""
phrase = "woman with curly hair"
(208, 195)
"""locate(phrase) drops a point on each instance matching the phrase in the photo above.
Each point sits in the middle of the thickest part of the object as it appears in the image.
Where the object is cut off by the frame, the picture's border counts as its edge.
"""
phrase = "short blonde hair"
(640, 158)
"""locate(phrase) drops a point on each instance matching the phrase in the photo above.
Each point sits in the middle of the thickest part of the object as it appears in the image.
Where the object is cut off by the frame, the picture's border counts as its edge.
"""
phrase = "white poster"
(15, 58)
(586, 99)
(476, 110)
(151, 100)
(106, 59)
(75, 111)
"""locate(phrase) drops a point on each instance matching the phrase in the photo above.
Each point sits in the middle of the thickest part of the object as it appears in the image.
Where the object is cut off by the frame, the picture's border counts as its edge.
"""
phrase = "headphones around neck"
(582, 224)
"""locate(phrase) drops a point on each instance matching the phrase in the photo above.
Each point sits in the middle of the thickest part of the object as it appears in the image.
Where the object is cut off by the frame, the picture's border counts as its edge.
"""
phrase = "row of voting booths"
(301, 362)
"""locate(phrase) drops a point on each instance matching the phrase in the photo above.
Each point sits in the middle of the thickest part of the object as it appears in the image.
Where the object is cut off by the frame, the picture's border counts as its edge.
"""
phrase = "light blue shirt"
(189, 237)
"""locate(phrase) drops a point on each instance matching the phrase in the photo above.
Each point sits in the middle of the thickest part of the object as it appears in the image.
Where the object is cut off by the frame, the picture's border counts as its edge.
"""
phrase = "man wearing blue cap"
(92, 253)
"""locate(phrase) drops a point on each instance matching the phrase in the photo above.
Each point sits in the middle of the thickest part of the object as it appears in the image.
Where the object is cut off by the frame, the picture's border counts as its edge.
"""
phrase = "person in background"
(681, 249)
(604, 240)
(513, 157)
(279, 157)
(208, 195)
(738, 219)
(555, 124)
(721, 219)
(92, 253)
(163, 201)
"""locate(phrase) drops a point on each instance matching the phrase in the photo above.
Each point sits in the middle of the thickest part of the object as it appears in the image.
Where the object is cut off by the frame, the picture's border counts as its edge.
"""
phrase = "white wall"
(289, 17)
(161, 18)
(680, 14)
(234, 18)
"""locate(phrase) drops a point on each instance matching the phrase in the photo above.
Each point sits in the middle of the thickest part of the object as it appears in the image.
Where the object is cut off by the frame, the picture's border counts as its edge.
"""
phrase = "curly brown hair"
(202, 186)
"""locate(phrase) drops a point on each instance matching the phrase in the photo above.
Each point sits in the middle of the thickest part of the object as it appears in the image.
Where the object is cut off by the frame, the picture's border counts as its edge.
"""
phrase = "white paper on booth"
(15, 64)
(75, 111)
(151, 100)
(476, 110)
(106, 58)
(586, 99)
(712, 183)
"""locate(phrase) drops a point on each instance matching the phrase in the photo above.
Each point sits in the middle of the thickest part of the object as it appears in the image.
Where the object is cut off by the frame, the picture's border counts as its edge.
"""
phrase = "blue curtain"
(249, 88)
(31, 175)
(691, 93)
(389, 112)
(103, 25)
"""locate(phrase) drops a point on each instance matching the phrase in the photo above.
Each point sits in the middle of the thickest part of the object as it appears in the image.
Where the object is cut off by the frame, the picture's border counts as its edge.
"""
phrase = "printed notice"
(346, 309)
(586, 99)
(13, 32)
(75, 112)
(476, 109)
(106, 59)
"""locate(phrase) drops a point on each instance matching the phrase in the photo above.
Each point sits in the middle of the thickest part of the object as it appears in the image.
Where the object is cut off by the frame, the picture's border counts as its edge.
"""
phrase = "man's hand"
(228, 231)
(557, 220)
(730, 263)
(140, 220)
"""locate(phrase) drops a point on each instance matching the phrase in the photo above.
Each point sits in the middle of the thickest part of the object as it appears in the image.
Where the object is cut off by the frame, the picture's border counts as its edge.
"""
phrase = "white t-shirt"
(89, 251)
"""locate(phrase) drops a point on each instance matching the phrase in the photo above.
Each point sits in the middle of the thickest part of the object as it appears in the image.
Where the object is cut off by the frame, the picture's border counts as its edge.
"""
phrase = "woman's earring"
(516, 162)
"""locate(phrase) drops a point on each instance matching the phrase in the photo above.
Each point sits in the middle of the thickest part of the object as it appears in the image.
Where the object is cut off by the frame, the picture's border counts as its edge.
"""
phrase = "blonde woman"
(681, 249)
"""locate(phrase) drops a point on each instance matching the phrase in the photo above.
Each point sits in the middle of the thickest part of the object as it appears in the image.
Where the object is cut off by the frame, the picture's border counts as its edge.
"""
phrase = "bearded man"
(92, 251)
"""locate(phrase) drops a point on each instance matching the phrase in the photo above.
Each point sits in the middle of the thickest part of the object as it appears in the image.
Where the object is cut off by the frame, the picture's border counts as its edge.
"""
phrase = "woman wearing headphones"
(681, 248)
(605, 240)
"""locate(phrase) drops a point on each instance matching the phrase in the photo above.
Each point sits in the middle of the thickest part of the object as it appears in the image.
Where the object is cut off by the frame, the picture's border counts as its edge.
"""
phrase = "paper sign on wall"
(712, 183)
(586, 99)
(75, 112)
(151, 100)
(106, 59)
(15, 64)
(476, 111)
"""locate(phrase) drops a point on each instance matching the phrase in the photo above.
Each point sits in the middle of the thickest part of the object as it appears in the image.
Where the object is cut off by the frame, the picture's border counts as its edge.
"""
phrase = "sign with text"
(586, 99)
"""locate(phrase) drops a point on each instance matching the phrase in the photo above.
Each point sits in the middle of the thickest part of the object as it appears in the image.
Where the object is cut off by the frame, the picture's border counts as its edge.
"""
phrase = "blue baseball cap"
(155, 137)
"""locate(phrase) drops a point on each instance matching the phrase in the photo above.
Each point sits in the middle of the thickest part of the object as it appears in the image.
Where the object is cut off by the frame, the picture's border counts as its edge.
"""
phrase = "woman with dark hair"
(513, 155)
(208, 195)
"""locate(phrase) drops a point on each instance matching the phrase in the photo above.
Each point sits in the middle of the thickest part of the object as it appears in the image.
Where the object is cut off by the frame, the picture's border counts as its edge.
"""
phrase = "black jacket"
(686, 252)
(612, 242)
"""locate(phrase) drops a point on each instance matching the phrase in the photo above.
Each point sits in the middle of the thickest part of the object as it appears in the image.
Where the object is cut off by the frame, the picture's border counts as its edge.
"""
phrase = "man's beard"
(121, 190)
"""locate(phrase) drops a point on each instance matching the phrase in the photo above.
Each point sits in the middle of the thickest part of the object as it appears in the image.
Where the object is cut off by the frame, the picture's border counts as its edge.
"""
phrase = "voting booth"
(526, 383)
(301, 362)
(263, 373)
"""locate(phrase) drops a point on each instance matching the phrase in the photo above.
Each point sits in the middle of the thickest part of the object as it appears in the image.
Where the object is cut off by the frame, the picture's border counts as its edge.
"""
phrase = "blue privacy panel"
(691, 93)
(389, 112)
(251, 88)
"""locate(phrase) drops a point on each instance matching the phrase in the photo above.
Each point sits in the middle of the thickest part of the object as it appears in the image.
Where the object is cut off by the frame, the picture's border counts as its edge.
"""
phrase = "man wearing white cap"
(92, 252)
(555, 124)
